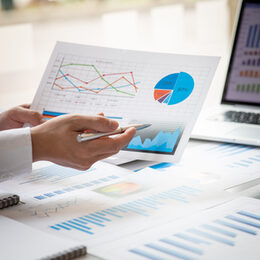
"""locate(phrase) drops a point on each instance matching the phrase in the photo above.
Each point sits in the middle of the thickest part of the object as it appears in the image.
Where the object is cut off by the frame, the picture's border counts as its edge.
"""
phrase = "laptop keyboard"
(242, 117)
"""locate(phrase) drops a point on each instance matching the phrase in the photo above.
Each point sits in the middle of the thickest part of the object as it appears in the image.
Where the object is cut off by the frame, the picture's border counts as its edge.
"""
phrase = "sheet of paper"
(229, 231)
(231, 164)
(18, 241)
(226, 164)
(49, 180)
(166, 90)
(109, 210)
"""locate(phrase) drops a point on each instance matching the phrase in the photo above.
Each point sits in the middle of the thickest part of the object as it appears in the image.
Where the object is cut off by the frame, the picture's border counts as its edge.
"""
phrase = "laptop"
(237, 117)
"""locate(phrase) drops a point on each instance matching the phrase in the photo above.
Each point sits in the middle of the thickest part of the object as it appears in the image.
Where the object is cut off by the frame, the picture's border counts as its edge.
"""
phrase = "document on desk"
(229, 231)
(165, 90)
(229, 164)
(226, 164)
(110, 209)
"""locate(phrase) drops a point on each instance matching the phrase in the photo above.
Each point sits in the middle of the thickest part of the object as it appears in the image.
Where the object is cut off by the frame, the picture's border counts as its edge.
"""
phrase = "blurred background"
(30, 28)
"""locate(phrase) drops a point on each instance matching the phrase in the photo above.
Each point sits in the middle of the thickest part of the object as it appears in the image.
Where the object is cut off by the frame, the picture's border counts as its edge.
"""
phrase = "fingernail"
(113, 124)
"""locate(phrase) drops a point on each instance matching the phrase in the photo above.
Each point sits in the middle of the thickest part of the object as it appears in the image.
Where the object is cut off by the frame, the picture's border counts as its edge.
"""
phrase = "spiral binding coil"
(7, 200)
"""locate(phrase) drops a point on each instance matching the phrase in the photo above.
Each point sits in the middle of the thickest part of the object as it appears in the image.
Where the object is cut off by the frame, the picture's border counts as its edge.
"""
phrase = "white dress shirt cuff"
(15, 152)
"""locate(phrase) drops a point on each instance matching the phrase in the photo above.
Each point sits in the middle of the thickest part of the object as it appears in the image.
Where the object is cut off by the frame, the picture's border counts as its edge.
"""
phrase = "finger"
(109, 144)
(101, 114)
(97, 123)
(26, 106)
(25, 115)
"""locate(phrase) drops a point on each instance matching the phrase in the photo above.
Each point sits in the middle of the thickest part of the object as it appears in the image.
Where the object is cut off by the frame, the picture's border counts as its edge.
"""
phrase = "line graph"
(84, 77)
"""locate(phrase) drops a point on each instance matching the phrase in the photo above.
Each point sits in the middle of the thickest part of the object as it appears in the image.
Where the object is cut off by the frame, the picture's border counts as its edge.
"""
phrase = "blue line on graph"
(112, 214)
(129, 208)
(111, 210)
(80, 221)
(119, 209)
(242, 150)
(134, 208)
(53, 227)
(219, 230)
(252, 158)
(254, 36)
(237, 227)
(169, 251)
(182, 246)
(248, 214)
(77, 224)
(211, 236)
(99, 213)
(69, 80)
(93, 222)
(68, 189)
(150, 201)
(249, 36)
(64, 227)
(95, 219)
(144, 204)
(145, 254)
(96, 216)
(243, 221)
(75, 227)
(81, 90)
(191, 239)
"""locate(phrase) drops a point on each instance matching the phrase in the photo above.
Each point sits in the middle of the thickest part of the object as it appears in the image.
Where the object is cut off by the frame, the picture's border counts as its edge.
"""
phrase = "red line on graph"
(103, 75)
(91, 90)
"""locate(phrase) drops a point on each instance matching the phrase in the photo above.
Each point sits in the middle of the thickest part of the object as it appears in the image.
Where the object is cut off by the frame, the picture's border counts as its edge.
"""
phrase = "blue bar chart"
(83, 185)
(219, 231)
(144, 206)
(238, 156)
(225, 231)
(253, 36)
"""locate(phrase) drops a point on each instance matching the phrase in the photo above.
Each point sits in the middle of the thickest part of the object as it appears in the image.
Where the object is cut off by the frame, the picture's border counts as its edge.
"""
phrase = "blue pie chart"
(174, 88)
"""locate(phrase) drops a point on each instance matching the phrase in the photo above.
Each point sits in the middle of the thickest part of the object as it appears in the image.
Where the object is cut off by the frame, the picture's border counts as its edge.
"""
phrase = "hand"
(56, 140)
(17, 116)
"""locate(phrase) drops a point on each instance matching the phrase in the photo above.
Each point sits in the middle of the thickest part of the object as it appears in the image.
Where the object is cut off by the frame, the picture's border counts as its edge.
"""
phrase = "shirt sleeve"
(15, 153)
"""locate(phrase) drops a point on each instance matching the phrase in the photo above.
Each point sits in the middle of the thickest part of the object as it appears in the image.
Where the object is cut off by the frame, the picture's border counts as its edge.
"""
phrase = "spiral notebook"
(19, 241)
(8, 200)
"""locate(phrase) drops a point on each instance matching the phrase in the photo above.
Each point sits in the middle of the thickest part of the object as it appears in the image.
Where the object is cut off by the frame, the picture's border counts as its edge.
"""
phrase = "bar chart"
(249, 88)
(253, 36)
(80, 186)
(145, 206)
(251, 62)
(229, 231)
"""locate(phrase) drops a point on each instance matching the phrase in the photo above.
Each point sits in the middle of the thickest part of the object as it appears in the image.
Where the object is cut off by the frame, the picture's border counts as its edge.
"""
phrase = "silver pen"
(91, 136)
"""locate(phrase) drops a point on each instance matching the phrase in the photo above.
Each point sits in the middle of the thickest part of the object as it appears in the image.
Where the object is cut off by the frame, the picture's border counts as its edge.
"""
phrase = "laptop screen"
(243, 78)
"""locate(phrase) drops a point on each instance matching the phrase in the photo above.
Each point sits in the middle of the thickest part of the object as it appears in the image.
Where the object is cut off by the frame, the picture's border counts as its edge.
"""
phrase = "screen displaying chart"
(157, 138)
(243, 84)
(174, 88)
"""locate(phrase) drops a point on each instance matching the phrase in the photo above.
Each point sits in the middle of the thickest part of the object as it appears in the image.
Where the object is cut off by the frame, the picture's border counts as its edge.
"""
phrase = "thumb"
(25, 115)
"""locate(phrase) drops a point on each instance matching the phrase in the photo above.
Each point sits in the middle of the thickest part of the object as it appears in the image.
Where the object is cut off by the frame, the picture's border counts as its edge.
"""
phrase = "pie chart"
(174, 88)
